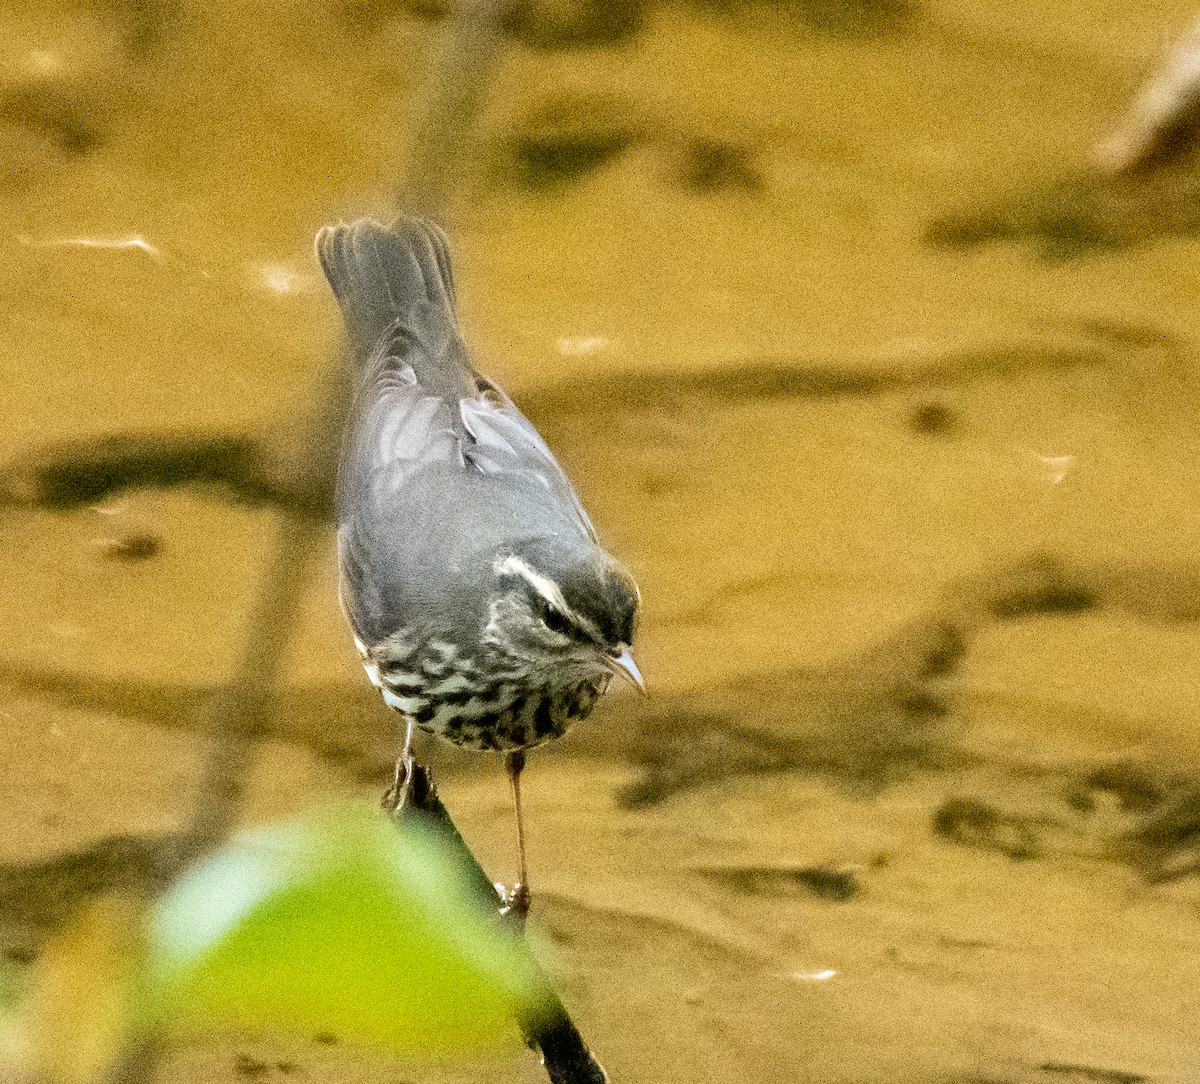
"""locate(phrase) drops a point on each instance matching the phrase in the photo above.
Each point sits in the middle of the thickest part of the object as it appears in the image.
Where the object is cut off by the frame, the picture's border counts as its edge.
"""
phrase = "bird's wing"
(504, 441)
(408, 366)
(419, 405)
(399, 433)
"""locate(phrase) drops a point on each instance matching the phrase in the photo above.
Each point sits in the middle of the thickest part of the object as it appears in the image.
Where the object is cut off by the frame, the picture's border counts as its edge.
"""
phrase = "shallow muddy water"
(915, 522)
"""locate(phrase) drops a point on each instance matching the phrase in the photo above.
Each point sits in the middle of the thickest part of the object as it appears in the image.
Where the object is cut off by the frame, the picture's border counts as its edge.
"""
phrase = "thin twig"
(464, 55)
(238, 718)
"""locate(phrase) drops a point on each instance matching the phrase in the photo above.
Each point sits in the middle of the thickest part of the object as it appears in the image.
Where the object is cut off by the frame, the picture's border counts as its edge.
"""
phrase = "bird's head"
(562, 613)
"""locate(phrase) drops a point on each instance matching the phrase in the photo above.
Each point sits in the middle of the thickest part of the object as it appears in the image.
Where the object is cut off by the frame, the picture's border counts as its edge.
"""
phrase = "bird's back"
(437, 462)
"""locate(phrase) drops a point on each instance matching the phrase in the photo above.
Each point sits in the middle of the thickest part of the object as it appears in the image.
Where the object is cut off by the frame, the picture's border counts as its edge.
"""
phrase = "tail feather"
(383, 276)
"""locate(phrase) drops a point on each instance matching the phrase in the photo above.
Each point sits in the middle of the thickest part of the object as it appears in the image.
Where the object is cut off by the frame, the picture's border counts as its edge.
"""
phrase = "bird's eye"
(552, 617)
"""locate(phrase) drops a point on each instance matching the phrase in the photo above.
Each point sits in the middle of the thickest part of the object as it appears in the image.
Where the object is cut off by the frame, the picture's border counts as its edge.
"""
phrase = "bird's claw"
(514, 903)
(397, 795)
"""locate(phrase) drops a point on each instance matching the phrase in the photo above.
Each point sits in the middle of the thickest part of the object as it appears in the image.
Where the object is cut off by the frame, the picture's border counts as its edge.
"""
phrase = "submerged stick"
(78, 473)
(468, 47)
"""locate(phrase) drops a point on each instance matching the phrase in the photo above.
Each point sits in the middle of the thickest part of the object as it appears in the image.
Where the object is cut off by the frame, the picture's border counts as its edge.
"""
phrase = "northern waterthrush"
(482, 604)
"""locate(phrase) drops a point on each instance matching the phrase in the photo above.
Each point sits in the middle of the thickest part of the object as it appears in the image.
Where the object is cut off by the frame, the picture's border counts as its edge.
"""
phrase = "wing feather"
(504, 441)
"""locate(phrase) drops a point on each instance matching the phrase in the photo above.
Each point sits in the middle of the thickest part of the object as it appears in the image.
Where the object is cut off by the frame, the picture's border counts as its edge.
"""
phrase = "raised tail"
(386, 275)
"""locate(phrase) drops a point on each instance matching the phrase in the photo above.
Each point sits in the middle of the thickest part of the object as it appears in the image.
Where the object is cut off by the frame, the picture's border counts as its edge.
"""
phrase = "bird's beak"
(623, 666)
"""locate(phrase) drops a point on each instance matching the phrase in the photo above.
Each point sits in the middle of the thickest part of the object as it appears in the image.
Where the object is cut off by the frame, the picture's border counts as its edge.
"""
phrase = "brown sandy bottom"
(916, 532)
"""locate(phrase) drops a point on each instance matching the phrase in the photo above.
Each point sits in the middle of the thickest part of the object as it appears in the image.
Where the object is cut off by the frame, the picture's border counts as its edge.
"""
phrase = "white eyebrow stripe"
(512, 565)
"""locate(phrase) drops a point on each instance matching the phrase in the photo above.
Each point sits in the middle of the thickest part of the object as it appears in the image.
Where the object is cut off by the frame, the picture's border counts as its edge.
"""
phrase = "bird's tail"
(384, 276)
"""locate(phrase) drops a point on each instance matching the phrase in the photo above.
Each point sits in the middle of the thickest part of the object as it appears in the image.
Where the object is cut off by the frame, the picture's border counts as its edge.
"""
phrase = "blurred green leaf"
(337, 923)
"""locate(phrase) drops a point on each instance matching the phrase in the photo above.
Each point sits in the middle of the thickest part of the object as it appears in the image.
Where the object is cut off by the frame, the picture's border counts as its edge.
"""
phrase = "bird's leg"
(396, 795)
(519, 900)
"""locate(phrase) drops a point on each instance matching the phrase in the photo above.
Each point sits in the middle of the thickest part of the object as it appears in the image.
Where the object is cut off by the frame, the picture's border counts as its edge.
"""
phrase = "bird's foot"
(396, 797)
(514, 904)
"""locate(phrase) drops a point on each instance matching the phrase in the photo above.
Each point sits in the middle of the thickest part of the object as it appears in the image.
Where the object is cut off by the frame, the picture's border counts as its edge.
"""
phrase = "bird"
(482, 604)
